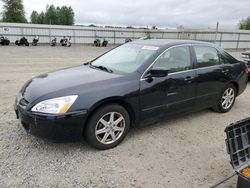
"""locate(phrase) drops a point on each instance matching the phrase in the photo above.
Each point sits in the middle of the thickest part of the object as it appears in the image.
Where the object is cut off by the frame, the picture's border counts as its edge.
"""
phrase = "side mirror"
(157, 72)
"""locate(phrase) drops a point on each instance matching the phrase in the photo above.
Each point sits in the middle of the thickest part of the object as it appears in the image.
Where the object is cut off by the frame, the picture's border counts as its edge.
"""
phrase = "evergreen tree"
(55, 16)
(13, 11)
(66, 16)
(51, 15)
(40, 19)
(245, 24)
(34, 17)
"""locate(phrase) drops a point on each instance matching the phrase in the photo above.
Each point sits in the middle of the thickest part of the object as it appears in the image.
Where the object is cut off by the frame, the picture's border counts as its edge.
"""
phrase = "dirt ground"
(187, 151)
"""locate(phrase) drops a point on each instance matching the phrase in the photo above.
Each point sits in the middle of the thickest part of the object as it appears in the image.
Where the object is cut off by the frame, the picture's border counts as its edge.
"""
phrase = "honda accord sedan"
(135, 84)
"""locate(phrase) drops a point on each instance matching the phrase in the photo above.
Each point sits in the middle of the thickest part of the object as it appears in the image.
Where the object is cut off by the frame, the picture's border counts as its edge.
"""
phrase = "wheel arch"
(236, 86)
(111, 100)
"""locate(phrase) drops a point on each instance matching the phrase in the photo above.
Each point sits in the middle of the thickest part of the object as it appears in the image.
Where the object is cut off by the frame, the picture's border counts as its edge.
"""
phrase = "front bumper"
(66, 127)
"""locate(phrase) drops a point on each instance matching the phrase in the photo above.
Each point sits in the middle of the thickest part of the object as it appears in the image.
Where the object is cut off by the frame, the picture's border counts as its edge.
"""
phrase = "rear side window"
(206, 56)
(175, 59)
(228, 59)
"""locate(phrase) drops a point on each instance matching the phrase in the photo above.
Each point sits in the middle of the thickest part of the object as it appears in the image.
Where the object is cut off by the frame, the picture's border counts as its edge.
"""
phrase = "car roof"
(168, 42)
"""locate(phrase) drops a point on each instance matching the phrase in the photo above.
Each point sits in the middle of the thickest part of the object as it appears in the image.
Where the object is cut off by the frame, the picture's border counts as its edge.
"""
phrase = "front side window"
(206, 56)
(175, 59)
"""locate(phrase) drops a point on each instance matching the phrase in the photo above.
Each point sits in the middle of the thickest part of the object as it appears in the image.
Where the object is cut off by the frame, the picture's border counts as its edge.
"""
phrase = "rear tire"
(107, 127)
(226, 99)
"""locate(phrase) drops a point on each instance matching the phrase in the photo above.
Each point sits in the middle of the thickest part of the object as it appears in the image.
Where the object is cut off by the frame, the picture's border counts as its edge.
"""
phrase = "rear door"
(174, 93)
(212, 75)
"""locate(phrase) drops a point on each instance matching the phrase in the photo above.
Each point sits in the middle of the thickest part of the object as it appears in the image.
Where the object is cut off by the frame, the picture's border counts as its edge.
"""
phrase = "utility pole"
(216, 32)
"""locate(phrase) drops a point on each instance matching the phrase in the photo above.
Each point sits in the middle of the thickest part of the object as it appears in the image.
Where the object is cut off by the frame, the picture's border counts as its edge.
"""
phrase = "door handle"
(188, 78)
(225, 70)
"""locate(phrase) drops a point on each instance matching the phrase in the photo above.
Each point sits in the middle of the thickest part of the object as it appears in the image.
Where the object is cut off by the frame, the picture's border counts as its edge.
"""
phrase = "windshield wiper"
(100, 67)
(89, 62)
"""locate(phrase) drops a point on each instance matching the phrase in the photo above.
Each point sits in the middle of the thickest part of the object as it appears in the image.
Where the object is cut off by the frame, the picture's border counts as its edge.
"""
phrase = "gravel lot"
(187, 151)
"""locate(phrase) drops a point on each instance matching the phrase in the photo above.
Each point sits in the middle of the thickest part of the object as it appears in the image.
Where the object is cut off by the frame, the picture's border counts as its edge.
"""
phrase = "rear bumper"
(242, 83)
(66, 127)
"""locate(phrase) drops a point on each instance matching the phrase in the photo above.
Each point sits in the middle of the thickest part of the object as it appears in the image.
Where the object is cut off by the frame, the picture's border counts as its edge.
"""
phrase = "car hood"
(64, 79)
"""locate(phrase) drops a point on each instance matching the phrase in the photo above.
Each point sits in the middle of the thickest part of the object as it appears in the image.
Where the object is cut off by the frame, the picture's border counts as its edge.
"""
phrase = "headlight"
(55, 106)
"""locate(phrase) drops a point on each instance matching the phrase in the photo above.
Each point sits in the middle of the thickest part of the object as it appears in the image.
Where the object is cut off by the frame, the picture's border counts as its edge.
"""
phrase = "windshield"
(126, 58)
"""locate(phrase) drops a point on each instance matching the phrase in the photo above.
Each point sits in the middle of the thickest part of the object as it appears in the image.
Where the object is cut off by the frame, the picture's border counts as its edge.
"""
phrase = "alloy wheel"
(110, 127)
(227, 98)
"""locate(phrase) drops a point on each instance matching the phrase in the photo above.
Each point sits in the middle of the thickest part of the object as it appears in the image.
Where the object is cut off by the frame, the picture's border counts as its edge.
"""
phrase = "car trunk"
(238, 147)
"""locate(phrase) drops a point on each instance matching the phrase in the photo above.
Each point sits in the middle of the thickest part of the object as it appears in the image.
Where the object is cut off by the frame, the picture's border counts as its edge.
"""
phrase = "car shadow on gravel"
(45, 145)
(40, 143)
(174, 121)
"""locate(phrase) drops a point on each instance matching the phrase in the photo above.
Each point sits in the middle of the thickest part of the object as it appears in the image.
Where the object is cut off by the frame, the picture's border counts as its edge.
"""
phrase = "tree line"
(13, 11)
(54, 15)
(245, 24)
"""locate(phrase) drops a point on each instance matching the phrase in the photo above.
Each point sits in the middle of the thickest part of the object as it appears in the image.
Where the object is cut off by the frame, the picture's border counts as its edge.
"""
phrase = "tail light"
(246, 69)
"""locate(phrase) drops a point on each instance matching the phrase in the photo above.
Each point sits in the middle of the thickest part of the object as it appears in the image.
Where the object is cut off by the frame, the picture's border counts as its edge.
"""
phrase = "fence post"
(114, 37)
(74, 34)
(49, 34)
(216, 31)
(220, 38)
(238, 40)
(22, 31)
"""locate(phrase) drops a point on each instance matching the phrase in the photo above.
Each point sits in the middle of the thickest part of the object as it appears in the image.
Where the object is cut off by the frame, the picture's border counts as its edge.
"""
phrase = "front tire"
(226, 99)
(107, 127)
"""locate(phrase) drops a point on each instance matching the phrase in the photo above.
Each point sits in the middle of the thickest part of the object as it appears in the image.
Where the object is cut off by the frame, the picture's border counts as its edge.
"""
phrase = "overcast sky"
(162, 13)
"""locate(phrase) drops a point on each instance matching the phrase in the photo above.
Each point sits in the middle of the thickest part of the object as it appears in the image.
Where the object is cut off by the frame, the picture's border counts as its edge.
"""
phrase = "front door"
(174, 93)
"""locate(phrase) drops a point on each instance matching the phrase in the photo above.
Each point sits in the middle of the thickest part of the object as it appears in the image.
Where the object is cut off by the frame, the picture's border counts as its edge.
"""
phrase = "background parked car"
(246, 57)
(4, 41)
